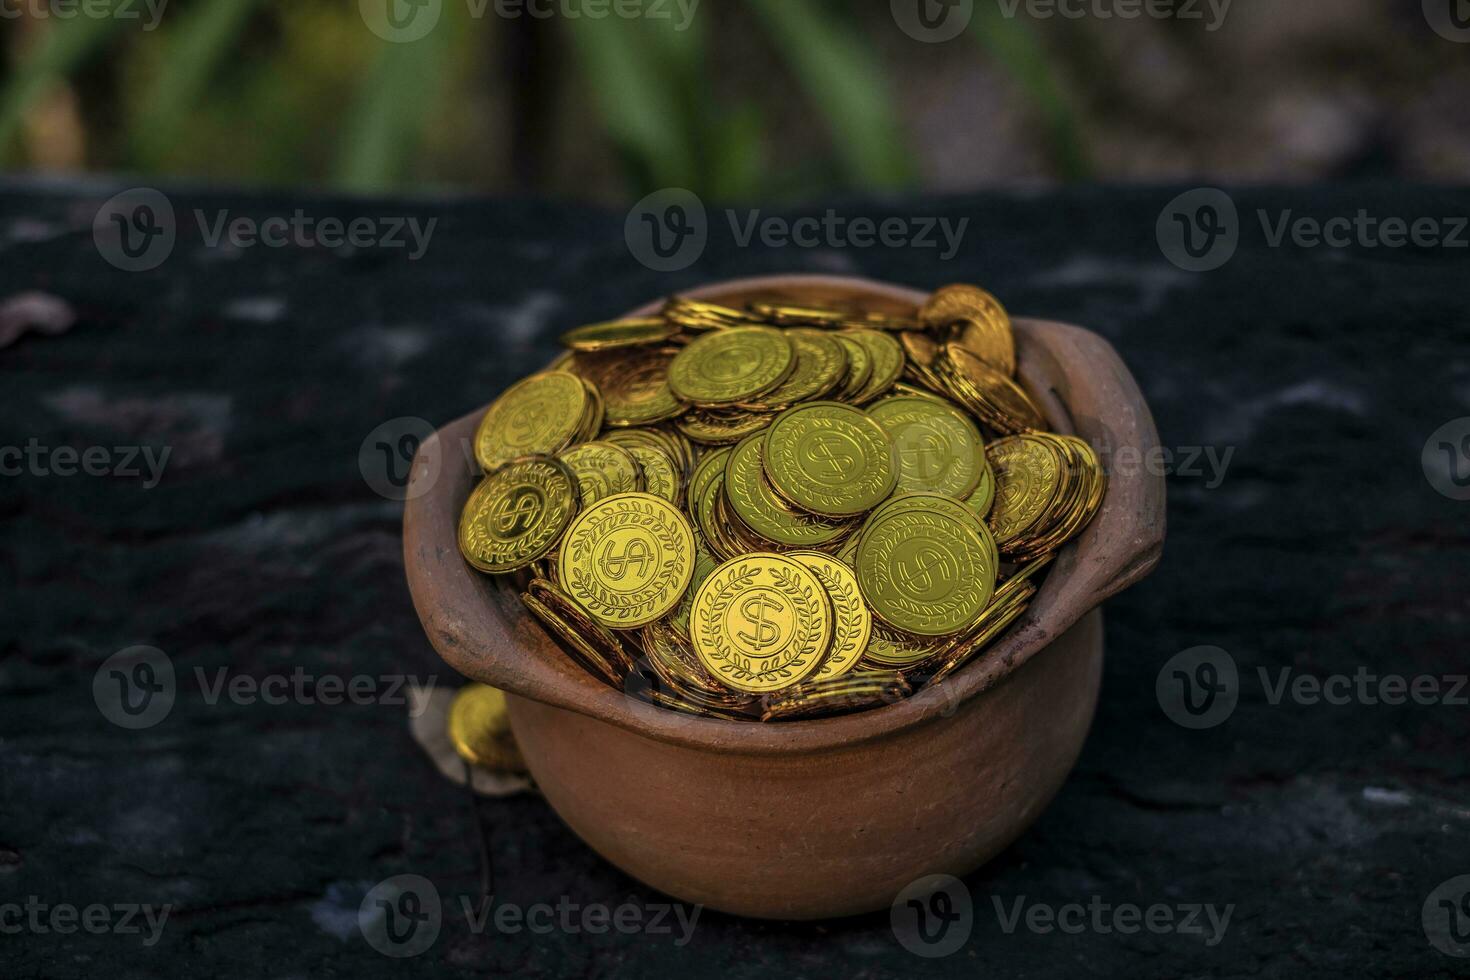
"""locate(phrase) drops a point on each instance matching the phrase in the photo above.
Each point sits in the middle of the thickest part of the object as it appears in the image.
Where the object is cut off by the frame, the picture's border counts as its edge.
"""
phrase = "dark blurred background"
(765, 99)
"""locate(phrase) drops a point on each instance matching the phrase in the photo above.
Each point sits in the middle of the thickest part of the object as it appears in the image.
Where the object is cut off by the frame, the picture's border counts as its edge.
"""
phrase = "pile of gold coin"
(781, 510)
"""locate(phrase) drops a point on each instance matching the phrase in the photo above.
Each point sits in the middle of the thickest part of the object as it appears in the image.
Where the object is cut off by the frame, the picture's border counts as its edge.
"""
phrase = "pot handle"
(1081, 377)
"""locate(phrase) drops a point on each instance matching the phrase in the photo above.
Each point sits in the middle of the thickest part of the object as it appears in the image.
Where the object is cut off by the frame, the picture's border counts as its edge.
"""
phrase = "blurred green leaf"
(627, 67)
(1016, 48)
(845, 81)
(394, 104)
(195, 48)
(65, 46)
(735, 157)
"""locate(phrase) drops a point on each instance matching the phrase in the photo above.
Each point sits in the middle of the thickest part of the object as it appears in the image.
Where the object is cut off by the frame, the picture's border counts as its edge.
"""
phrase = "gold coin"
(602, 469)
(761, 622)
(634, 385)
(859, 368)
(676, 666)
(698, 315)
(710, 466)
(984, 496)
(853, 624)
(887, 358)
(723, 528)
(517, 514)
(591, 645)
(542, 414)
(823, 696)
(1027, 478)
(758, 506)
(791, 315)
(821, 363)
(479, 727)
(619, 333)
(891, 649)
(876, 320)
(919, 348)
(993, 397)
(830, 459)
(716, 427)
(939, 449)
(984, 327)
(662, 440)
(660, 477)
(926, 564)
(731, 366)
(704, 563)
(1001, 614)
(627, 559)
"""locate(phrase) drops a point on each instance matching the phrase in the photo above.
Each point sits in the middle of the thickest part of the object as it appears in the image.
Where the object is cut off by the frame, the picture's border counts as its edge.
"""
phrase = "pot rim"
(483, 631)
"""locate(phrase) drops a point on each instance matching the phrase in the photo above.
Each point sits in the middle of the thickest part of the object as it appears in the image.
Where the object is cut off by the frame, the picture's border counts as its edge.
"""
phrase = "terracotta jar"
(831, 817)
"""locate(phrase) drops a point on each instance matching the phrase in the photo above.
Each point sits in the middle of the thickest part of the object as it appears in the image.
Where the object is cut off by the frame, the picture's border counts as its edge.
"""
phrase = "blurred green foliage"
(299, 91)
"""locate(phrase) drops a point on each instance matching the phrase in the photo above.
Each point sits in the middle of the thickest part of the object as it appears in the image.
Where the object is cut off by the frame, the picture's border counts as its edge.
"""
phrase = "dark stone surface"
(262, 550)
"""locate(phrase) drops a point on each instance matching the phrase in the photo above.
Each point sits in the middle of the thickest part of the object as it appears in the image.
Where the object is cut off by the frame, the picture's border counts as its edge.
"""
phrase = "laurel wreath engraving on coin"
(743, 668)
(637, 604)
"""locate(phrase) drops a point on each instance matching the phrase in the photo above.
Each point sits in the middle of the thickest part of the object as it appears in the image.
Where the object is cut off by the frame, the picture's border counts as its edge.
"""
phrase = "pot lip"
(1121, 546)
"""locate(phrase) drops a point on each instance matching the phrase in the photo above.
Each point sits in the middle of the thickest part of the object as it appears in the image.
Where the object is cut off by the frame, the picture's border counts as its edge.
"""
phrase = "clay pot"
(813, 819)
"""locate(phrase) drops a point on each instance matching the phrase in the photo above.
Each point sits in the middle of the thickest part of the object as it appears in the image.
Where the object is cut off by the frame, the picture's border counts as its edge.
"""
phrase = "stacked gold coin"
(780, 511)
